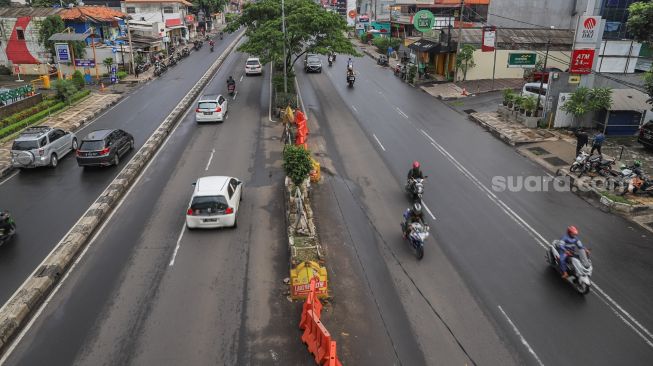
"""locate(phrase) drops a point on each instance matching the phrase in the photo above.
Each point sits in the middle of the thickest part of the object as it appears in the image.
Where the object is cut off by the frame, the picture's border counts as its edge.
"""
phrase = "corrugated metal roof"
(629, 100)
(70, 36)
(16, 12)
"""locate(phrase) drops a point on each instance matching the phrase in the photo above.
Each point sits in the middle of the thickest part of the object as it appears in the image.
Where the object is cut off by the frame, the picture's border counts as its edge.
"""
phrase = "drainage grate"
(554, 160)
(538, 151)
(469, 111)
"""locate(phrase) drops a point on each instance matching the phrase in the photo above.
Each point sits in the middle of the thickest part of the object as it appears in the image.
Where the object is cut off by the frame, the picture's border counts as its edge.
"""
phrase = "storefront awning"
(173, 22)
(424, 45)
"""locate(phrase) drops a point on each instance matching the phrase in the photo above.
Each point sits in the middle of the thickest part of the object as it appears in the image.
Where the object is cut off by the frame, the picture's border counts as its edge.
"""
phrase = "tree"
(297, 163)
(640, 18)
(65, 89)
(210, 6)
(78, 79)
(53, 24)
(108, 62)
(584, 100)
(309, 28)
(465, 59)
(648, 85)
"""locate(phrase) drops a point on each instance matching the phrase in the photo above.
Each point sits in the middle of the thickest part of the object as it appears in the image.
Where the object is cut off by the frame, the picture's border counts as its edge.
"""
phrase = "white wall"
(610, 63)
(485, 60)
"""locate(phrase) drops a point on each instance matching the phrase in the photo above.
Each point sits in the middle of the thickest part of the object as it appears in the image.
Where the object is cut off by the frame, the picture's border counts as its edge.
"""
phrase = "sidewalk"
(69, 119)
(513, 133)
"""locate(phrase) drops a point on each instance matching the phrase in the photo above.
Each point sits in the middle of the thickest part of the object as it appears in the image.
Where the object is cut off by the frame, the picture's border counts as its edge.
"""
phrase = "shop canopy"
(424, 45)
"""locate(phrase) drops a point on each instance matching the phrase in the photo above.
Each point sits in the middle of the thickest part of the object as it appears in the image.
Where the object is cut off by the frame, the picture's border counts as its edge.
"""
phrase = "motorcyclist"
(231, 81)
(5, 223)
(570, 243)
(350, 65)
(211, 43)
(412, 215)
(415, 172)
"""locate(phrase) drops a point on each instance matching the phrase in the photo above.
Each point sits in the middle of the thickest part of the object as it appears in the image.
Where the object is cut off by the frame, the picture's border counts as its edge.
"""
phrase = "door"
(235, 187)
(223, 104)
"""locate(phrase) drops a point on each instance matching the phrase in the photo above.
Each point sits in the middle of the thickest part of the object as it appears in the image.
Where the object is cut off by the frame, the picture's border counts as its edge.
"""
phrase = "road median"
(15, 313)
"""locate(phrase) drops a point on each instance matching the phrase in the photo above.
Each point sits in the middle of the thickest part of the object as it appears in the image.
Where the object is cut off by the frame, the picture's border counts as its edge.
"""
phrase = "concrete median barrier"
(15, 313)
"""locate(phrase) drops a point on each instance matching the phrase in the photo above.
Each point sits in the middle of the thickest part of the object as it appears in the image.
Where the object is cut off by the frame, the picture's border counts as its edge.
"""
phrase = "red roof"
(173, 22)
(92, 13)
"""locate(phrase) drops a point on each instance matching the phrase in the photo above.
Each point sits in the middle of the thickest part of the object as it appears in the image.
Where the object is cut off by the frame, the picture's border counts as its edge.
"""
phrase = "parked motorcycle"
(415, 189)
(177, 56)
(640, 185)
(7, 228)
(382, 60)
(579, 266)
(185, 52)
(417, 236)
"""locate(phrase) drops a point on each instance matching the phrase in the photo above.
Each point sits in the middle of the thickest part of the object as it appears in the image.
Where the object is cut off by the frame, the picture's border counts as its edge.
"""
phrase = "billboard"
(351, 12)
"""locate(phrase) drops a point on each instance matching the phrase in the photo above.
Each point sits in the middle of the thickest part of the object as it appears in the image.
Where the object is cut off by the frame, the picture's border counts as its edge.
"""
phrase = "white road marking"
(241, 77)
(378, 142)
(401, 112)
(45, 303)
(628, 319)
(270, 100)
(235, 94)
(174, 255)
(354, 108)
(429, 211)
(523, 340)
(9, 177)
(210, 158)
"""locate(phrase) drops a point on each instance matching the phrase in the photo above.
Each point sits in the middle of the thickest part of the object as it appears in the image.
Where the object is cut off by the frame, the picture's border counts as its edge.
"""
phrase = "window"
(43, 141)
(207, 105)
(221, 100)
(131, 10)
(20, 34)
(168, 9)
(92, 145)
(208, 204)
(231, 190)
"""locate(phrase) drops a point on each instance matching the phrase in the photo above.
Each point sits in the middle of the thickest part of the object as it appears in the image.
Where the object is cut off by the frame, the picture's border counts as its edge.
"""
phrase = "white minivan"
(533, 90)
(211, 108)
(214, 203)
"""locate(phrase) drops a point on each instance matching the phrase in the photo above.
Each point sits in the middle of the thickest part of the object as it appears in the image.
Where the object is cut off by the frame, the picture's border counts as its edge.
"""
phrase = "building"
(107, 23)
(446, 13)
(560, 14)
(171, 14)
(19, 33)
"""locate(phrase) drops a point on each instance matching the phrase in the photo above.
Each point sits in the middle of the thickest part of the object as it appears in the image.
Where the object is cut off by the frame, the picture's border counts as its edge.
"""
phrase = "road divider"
(15, 313)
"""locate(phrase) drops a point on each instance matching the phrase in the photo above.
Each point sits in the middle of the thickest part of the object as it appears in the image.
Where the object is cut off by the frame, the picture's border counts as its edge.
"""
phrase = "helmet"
(415, 164)
(572, 231)
(417, 209)
(637, 163)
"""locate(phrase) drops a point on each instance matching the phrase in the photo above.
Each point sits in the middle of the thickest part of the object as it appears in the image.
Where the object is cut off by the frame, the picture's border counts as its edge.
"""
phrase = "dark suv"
(104, 147)
(646, 135)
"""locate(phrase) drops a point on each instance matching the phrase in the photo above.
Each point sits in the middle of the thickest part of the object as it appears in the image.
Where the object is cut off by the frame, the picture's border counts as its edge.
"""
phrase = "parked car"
(313, 64)
(214, 203)
(41, 146)
(104, 147)
(253, 66)
(533, 90)
(543, 74)
(211, 108)
(646, 135)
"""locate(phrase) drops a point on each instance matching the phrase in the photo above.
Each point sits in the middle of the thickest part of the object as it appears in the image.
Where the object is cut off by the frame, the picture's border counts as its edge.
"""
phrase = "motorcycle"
(350, 79)
(579, 266)
(382, 60)
(231, 88)
(638, 184)
(330, 59)
(220, 35)
(211, 48)
(185, 52)
(415, 188)
(578, 164)
(158, 69)
(7, 233)
(172, 61)
(418, 234)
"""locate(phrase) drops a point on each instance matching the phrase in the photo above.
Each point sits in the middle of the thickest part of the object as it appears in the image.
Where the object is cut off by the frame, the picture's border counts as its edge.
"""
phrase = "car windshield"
(208, 204)
(92, 145)
(252, 62)
(25, 145)
(313, 59)
(207, 105)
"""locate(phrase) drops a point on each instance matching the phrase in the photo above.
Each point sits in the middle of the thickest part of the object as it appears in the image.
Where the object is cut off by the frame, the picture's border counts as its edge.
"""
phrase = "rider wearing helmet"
(637, 168)
(411, 215)
(570, 242)
(415, 172)
(230, 81)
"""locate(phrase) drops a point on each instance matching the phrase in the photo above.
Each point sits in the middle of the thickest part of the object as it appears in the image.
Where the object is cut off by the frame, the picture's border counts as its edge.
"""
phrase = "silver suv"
(41, 146)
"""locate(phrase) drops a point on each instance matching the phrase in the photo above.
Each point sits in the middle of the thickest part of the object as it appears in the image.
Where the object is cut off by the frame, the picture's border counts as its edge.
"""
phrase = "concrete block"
(8, 326)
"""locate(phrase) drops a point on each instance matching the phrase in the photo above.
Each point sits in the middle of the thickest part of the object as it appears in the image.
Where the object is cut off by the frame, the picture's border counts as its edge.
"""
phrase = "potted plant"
(518, 99)
(508, 94)
(529, 103)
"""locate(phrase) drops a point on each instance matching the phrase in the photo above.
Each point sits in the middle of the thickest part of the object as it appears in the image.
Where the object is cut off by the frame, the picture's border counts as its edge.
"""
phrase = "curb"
(14, 314)
(496, 132)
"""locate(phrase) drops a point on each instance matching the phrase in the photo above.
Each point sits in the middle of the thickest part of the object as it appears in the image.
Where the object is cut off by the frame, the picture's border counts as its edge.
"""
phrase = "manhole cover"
(538, 150)
(556, 161)
(469, 111)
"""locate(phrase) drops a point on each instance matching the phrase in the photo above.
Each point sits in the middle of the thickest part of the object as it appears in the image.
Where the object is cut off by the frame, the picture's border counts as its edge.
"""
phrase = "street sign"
(588, 29)
(521, 59)
(85, 62)
(62, 51)
(423, 20)
(114, 50)
(574, 79)
(581, 61)
(489, 39)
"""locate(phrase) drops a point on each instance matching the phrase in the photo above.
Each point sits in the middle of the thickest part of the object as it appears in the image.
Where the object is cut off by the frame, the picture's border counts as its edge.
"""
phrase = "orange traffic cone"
(465, 92)
(101, 86)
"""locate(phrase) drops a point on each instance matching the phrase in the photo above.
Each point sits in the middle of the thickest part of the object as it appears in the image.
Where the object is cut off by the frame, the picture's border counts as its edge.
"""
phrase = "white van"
(533, 90)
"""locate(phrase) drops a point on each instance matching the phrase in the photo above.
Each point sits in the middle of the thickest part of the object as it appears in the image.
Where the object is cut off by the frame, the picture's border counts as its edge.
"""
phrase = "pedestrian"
(581, 140)
(136, 71)
(596, 145)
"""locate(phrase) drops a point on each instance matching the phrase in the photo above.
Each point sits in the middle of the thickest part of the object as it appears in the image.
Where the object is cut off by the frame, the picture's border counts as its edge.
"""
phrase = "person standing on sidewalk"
(136, 71)
(598, 142)
(581, 140)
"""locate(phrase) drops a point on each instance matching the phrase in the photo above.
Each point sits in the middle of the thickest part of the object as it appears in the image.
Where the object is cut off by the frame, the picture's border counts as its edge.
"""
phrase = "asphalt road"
(492, 239)
(47, 202)
(150, 292)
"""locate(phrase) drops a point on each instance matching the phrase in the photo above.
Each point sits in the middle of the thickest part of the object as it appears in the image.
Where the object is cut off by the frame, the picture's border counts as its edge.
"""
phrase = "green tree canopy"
(640, 21)
(584, 100)
(309, 28)
(210, 6)
(465, 59)
(54, 24)
(648, 84)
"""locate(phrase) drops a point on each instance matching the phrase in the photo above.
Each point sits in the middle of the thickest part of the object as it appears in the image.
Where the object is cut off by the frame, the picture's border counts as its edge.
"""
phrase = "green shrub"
(382, 44)
(297, 163)
(65, 89)
(121, 74)
(78, 80)
(18, 116)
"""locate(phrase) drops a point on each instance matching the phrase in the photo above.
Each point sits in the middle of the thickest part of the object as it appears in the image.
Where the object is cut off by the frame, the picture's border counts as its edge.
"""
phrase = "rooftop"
(97, 14)
(184, 2)
(628, 100)
(15, 12)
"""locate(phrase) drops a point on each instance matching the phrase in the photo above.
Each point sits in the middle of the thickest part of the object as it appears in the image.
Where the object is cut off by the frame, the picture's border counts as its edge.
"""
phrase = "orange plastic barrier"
(300, 119)
(311, 303)
(316, 336)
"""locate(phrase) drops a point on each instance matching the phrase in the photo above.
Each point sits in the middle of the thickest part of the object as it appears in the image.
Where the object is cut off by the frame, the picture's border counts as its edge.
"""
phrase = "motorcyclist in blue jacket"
(570, 242)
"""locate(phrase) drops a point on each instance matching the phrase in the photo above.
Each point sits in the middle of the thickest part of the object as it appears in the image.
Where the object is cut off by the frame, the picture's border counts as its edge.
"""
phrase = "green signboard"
(525, 60)
(423, 20)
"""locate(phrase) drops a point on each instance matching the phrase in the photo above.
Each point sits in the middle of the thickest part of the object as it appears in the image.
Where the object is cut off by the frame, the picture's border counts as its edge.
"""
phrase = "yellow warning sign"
(300, 280)
(574, 79)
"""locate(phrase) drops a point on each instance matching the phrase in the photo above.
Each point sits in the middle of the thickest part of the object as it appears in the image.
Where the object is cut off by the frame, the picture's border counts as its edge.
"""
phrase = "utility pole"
(131, 47)
(460, 37)
(539, 92)
(283, 28)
